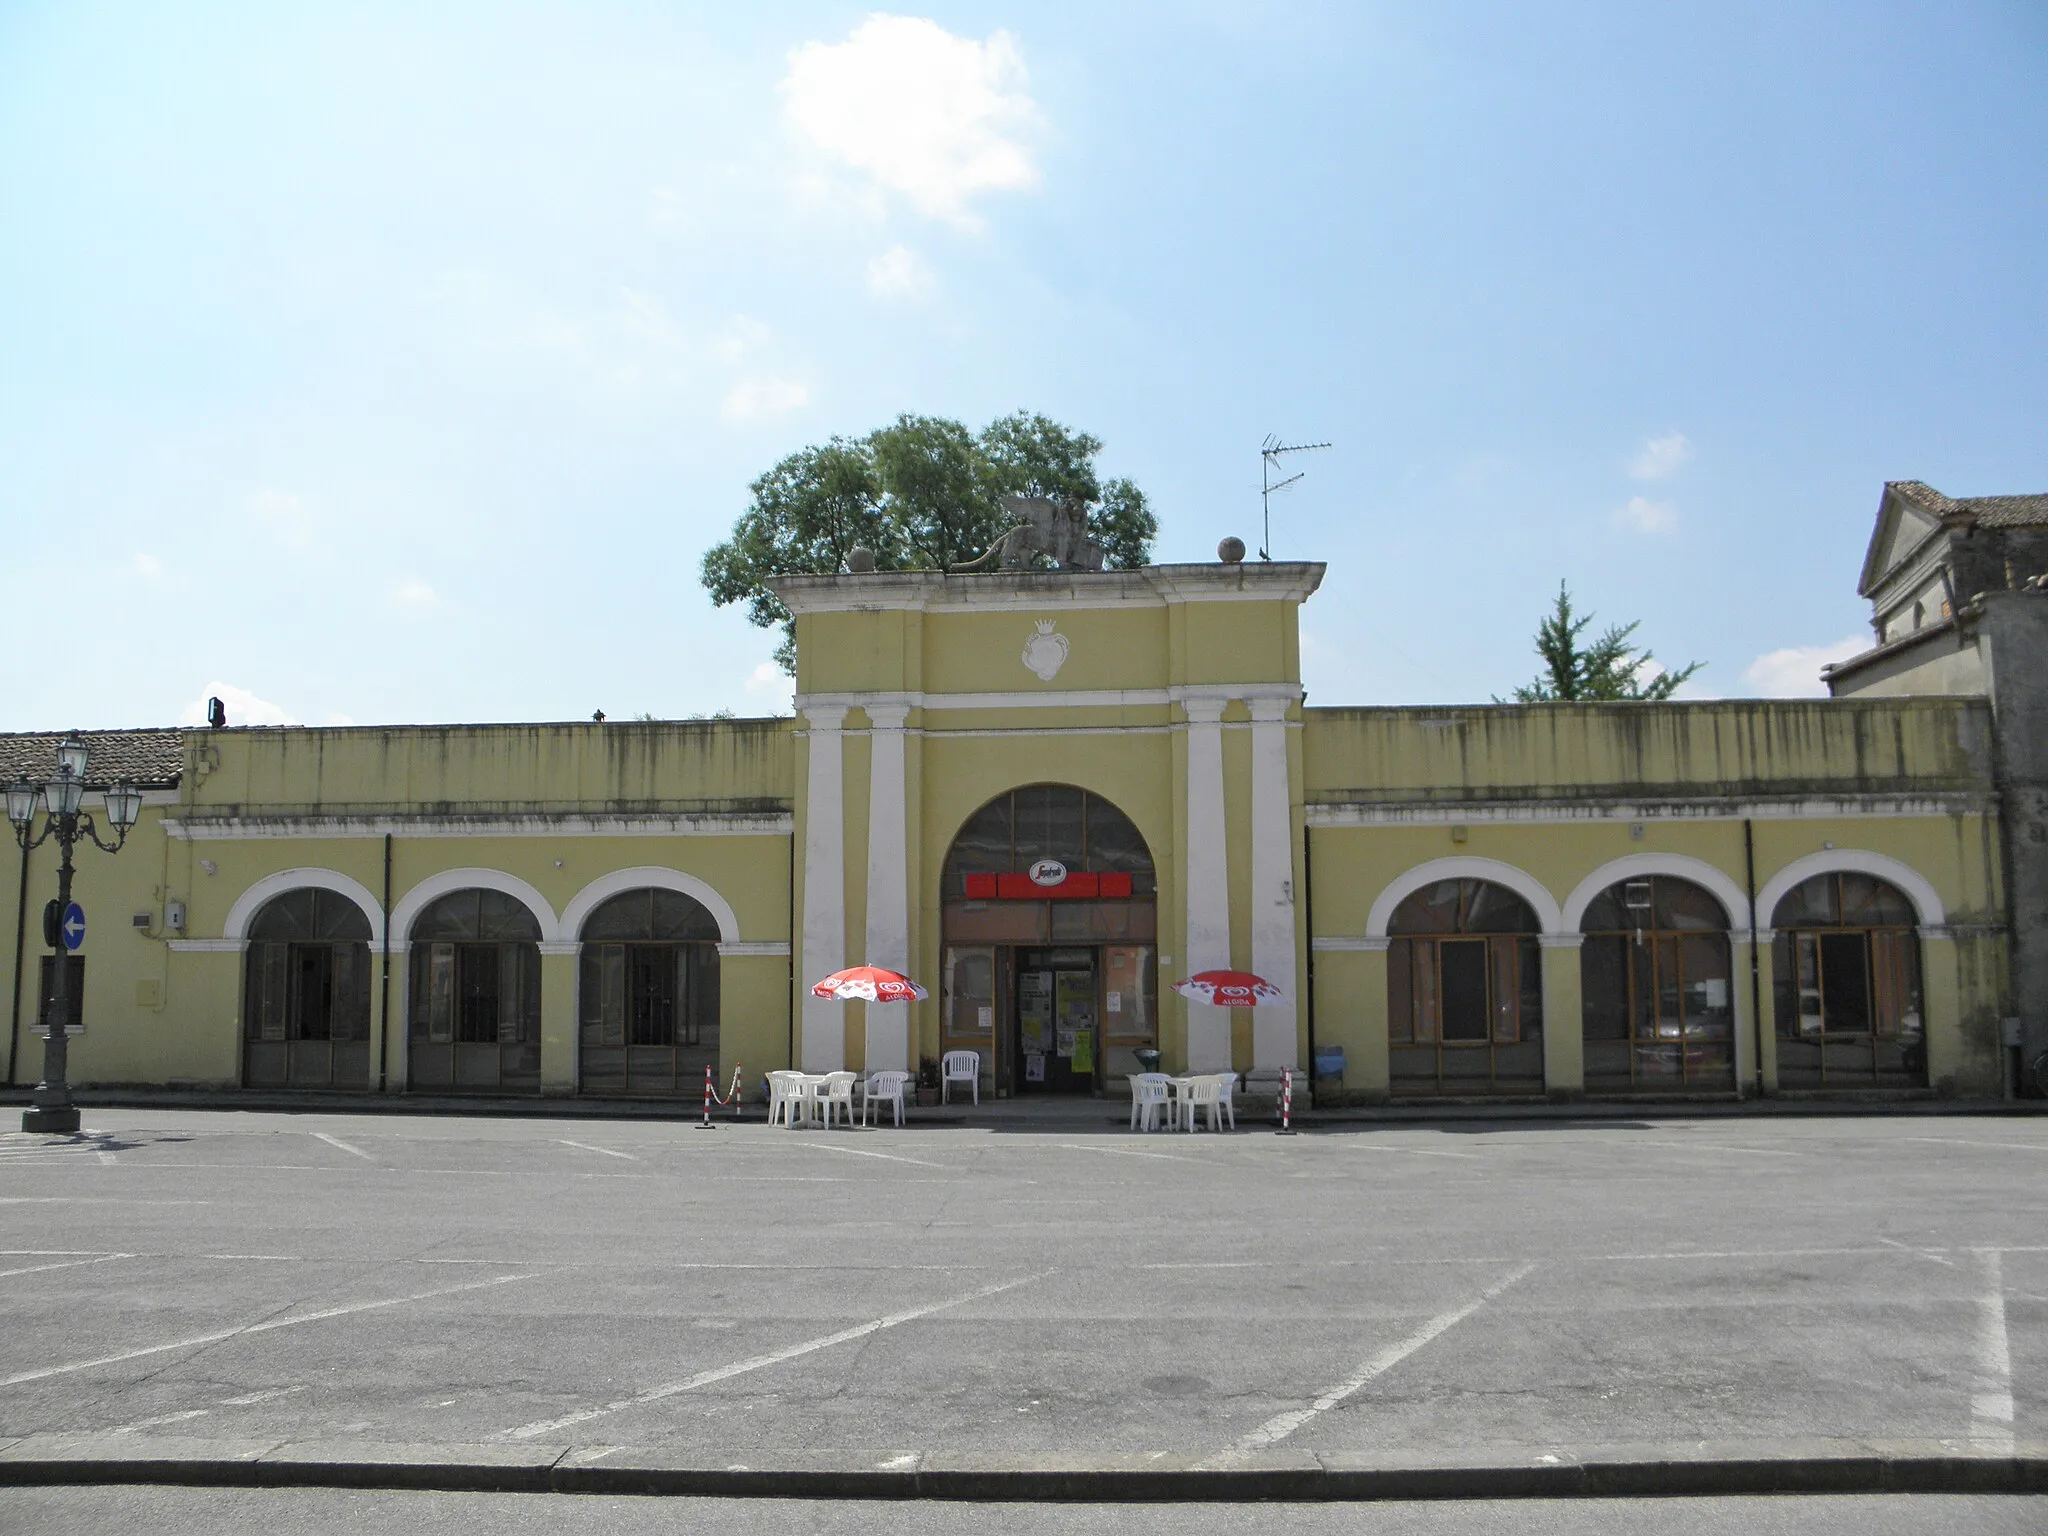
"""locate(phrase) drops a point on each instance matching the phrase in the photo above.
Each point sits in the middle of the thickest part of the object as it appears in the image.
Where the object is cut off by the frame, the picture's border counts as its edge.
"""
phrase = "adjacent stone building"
(1958, 590)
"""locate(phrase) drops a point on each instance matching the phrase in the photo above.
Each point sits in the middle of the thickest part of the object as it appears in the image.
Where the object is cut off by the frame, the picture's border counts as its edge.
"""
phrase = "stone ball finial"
(860, 560)
(1231, 551)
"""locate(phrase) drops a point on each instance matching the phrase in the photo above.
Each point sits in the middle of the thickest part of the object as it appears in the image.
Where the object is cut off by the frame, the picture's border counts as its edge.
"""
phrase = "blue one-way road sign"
(73, 927)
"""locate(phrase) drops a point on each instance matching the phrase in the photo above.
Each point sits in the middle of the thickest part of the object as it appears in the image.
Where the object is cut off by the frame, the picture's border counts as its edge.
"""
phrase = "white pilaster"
(823, 1045)
(888, 932)
(1207, 873)
(1273, 1024)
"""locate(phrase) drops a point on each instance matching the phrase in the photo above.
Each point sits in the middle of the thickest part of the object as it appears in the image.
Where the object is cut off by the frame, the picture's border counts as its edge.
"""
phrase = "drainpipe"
(790, 928)
(20, 951)
(1308, 917)
(384, 982)
(1756, 989)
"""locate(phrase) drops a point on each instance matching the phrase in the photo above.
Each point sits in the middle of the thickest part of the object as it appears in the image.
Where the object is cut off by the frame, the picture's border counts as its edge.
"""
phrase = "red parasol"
(870, 984)
(1229, 989)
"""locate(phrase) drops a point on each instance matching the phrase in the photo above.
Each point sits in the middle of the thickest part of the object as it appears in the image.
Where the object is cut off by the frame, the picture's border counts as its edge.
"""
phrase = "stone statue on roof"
(1054, 530)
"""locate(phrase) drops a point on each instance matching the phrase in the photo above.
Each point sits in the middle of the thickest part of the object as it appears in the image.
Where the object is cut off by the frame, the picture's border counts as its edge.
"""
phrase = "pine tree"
(1610, 668)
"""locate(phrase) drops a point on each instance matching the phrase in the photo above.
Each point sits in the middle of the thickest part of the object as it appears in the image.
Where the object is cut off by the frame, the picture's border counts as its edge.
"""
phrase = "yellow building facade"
(1047, 796)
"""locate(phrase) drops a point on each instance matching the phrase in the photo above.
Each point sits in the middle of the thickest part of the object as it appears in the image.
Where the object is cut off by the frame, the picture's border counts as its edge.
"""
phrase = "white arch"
(1927, 902)
(604, 887)
(1636, 866)
(257, 896)
(1464, 867)
(435, 886)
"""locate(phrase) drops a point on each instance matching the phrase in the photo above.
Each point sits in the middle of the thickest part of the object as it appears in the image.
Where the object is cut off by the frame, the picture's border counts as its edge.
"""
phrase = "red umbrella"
(1229, 989)
(870, 984)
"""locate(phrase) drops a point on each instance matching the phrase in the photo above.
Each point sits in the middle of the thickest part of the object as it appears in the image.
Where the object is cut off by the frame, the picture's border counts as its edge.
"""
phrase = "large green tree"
(922, 493)
(1608, 668)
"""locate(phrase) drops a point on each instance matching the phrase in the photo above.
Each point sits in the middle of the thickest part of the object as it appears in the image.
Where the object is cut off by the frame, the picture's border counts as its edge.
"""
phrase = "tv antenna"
(1269, 466)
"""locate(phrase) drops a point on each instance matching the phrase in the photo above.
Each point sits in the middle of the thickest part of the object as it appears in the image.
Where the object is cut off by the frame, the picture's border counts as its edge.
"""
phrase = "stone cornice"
(1151, 586)
(510, 824)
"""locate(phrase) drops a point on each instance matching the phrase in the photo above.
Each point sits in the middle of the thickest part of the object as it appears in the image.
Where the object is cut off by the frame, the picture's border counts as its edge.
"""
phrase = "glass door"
(1058, 1032)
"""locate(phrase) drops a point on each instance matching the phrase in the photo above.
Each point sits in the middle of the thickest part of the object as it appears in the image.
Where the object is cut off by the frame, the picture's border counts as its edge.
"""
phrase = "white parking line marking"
(1705, 1146)
(584, 1146)
(336, 1141)
(253, 1328)
(819, 1146)
(1280, 1426)
(1366, 1146)
(2002, 1146)
(1919, 1253)
(1164, 1157)
(761, 1362)
(1991, 1418)
(160, 1419)
(92, 1200)
(37, 1269)
(249, 1398)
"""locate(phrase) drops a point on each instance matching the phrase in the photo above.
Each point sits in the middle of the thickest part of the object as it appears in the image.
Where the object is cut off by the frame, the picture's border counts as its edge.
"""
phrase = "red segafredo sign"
(1049, 879)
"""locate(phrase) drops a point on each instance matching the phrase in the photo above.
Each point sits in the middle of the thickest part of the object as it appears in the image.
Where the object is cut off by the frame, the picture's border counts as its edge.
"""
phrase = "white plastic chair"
(1226, 1100)
(1200, 1093)
(1149, 1093)
(886, 1088)
(785, 1090)
(959, 1067)
(829, 1093)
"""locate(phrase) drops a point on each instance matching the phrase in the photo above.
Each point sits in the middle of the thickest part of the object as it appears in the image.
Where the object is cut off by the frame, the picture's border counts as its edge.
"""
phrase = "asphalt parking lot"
(1431, 1292)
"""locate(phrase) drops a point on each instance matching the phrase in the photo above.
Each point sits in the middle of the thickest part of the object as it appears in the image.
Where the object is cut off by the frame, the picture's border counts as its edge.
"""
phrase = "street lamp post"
(63, 798)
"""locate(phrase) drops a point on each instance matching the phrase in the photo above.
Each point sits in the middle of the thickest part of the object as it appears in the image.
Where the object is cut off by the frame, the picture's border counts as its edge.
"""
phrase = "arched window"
(1845, 970)
(1081, 830)
(306, 993)
(1658, 983)
(1049, 917)
(474, 1002)
(1464, 991)
(647, 994)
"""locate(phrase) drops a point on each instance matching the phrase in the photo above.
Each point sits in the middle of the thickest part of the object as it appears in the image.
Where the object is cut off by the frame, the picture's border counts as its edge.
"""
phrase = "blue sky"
(397, 363)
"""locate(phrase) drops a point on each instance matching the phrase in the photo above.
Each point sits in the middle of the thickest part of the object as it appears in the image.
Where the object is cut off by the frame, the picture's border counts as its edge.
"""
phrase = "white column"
(1206, 870)
(888, 935)
(1273, 1024)
(823, 1046)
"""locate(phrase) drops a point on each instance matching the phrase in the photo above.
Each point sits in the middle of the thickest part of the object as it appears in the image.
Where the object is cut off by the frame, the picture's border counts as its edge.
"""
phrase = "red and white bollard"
(706, 1123)
(1286, 1101)
(737, 1079)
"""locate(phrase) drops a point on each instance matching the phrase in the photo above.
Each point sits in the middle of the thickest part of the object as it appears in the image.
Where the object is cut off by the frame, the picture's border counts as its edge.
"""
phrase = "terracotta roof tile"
(1987, 511)
(153, 759)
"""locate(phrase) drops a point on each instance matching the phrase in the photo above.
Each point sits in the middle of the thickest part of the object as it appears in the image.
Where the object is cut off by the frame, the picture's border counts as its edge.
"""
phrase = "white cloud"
(899, 273)
(921, 113)
(1647, 516)
(769, 682)
(752, 398)
(338, 720)
(416, 595)
(243, 707)
(286, 515)
(146, 568)
(741, 339)
(1661, 457)
(1794, 672)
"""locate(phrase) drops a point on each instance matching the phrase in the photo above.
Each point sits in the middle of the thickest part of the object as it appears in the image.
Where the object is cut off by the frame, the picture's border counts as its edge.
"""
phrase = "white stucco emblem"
(1046, 651)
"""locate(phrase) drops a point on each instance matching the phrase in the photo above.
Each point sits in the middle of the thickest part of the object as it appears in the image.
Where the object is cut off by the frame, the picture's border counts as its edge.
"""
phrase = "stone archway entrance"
(1050, 927)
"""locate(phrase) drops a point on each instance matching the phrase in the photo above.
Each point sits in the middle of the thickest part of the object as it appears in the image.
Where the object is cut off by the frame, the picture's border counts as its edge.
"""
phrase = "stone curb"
(1098, 1114)
(1843, 1467)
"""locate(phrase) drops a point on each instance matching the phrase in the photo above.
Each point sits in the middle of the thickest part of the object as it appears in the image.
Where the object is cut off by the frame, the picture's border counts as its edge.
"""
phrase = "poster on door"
(1034, 1013)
